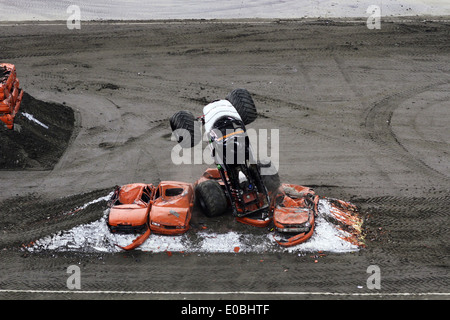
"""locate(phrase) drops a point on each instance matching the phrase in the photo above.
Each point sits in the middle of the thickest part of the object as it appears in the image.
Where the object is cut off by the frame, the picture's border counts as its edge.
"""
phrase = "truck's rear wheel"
(187, 132)
(242, 101)
(211, 198)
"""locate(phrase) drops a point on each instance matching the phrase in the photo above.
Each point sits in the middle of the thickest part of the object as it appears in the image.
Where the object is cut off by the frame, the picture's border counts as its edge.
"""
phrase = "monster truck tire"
(211, 198)
(190, 134)
(271, 179)
(244, 105)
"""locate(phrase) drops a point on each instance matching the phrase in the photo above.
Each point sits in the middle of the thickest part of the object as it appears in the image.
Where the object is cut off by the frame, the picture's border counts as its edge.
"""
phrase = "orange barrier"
(10, 94)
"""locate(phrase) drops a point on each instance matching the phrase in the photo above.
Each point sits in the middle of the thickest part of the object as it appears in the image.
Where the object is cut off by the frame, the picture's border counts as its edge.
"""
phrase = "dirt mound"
(42, 134)
(37, 216)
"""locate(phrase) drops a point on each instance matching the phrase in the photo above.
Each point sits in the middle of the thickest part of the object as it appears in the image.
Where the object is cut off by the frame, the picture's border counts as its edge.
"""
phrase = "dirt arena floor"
(362, 114)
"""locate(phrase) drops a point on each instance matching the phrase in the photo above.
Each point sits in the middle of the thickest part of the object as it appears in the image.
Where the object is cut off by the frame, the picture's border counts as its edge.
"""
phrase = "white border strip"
(250, 21)
(278, 293)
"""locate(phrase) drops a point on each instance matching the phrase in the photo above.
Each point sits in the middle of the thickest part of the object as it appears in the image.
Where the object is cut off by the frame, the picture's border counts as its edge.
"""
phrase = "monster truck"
(237, 182)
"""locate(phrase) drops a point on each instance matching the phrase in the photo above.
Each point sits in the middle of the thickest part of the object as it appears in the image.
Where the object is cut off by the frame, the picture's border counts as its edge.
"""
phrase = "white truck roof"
(216, 110)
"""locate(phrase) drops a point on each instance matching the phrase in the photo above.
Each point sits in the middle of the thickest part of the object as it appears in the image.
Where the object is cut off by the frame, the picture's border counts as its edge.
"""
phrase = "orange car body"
(10, 94)
(138, 207)
(130, 206)
(172, 207)
(294, 211)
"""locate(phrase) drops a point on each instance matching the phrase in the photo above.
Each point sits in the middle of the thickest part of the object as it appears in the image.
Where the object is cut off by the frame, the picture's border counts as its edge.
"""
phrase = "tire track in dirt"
(420, 124)
(378, 124)
(400, 223)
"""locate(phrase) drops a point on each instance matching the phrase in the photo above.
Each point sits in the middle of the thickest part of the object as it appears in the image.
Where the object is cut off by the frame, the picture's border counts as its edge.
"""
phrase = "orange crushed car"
(10, 94)
(130, 206)
(294, 211)
(172, 207)
(143, 208)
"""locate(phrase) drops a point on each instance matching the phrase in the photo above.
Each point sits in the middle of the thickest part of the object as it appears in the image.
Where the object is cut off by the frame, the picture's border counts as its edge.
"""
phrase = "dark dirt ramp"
(33, 145)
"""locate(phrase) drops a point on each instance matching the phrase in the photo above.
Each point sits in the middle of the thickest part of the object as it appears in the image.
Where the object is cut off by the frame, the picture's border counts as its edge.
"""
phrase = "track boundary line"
(344, 20)
(279, 293)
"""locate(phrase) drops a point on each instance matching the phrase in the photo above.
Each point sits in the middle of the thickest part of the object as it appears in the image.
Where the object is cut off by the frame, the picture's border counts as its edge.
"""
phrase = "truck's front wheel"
(243, 102)
(211, 198)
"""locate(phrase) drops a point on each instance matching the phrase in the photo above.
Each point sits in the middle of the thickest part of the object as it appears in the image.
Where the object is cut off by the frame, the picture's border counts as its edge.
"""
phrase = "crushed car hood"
(128, 214)
(169, 216)
(292, 215)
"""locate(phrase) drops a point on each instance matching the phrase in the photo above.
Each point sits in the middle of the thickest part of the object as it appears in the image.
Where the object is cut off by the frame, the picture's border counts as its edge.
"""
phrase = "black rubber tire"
(191, 135)
(272, 180)
(243, 102)
(211, 198)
